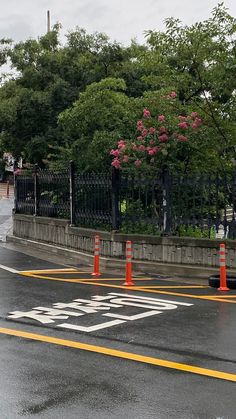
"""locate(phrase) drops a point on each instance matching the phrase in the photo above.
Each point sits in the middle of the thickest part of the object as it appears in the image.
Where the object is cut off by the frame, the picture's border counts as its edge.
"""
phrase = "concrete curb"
(185, 271)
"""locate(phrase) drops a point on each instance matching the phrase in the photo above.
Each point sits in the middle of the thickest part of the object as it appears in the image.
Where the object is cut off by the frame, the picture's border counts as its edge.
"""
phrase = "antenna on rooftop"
(48, 21)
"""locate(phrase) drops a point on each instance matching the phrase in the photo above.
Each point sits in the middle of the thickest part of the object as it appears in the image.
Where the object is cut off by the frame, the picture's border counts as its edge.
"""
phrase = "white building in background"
(9, 159)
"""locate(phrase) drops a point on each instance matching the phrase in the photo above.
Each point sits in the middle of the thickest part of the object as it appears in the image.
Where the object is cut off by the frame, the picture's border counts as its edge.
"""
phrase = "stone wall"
(170, 250)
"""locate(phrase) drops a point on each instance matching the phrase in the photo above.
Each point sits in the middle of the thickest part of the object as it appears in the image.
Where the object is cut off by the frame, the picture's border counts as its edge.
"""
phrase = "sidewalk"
(6, 205)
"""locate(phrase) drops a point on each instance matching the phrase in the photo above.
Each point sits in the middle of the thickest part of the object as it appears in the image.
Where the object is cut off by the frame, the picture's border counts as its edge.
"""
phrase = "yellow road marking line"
(50, 278)
(222, 296)
(73, 270)
(121, 354)
(202, 297)
(176, 286)
(223, 301)
(56, 278)
(90, 281)
(53, 271)
(145, 289)
(133, 288)
(116, 279)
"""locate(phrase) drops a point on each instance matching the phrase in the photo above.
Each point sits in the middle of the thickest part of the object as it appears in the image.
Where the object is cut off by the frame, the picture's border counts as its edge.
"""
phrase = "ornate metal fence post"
(36, 190)
(115, 199)
(166, 182)
(15, 187)
(72, 193)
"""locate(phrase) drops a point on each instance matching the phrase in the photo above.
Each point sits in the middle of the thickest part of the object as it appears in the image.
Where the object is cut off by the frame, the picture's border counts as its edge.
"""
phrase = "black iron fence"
(41, 192)
(200, 206)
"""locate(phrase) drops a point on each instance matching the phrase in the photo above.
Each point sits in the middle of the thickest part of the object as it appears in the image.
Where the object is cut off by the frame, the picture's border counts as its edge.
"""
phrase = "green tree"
(49, 78)
(110, 85)
(200, 63)
(167, 133)
(91, 126)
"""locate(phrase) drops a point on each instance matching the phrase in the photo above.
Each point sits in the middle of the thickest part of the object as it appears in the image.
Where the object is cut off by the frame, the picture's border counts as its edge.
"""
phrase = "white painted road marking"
(91, 328)
(6, 268)
(153, 300)
(95, 305)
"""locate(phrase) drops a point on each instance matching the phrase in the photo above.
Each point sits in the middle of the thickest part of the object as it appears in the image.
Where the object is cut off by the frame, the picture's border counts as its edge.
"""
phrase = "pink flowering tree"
(166, 136)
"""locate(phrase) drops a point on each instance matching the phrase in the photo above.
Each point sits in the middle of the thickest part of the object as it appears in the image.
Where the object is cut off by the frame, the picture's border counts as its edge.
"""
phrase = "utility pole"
(48, 21)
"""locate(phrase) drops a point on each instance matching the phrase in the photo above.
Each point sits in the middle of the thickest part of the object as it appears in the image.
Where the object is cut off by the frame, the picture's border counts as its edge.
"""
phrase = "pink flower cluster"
(182, 137)
(150, 140)
(146, 113)
(140, 125)
(183, 125)
(116, 162)
(192, 121)
(173, 95)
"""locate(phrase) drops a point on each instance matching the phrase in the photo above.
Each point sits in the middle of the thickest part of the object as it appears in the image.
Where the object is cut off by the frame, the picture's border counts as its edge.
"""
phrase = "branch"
(218, 127)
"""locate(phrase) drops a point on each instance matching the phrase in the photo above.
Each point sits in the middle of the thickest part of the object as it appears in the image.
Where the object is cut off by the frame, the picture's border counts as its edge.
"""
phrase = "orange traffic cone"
(223, 283)
(96, 271)
(128, 276)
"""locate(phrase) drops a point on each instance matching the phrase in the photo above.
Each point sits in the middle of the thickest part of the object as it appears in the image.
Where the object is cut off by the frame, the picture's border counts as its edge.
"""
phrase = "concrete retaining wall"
(169, 250)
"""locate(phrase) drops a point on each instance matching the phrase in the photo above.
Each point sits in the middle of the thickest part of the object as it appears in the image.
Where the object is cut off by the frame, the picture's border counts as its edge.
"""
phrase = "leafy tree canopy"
(77, 100)
(94, 121)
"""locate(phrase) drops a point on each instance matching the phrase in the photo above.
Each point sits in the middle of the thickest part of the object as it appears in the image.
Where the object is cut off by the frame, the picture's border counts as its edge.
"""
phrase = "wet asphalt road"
(44, 380)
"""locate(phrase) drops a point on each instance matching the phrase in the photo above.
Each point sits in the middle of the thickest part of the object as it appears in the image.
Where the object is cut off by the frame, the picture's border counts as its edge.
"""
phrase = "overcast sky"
(120, 19)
